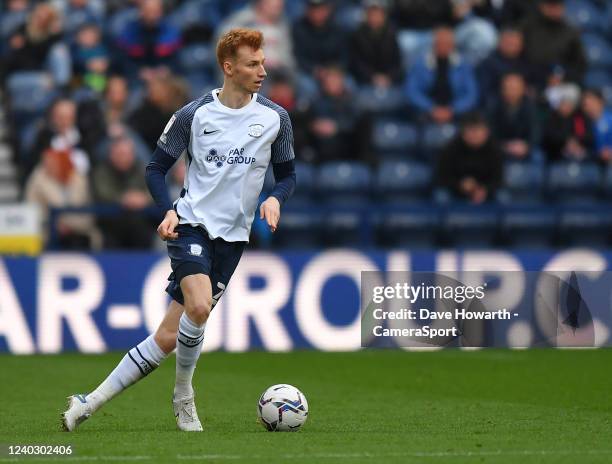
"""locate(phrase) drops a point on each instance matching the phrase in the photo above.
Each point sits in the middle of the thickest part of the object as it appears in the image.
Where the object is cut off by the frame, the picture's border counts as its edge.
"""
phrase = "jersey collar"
(233, 110)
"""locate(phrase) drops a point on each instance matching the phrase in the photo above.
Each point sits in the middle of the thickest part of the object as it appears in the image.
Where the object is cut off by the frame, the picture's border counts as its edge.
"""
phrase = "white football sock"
(188, 348)
(140, 361)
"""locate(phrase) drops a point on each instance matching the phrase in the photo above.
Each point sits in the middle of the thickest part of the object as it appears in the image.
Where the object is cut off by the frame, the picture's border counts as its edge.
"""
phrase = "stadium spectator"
(115, 102)
(165, 94)
(90, 57)
(37, 46)
(336, 128)
(321, 41)
(441, 85)
(508, 58)
(375, 54)
(552, 46)
(514, 119)
(61, 133)
(282, 91)
(149, 41)
(100, 121)
(593, 105)
(120, 180)
(56, 183)
(471, 165)
(267, 16)
(567, 133)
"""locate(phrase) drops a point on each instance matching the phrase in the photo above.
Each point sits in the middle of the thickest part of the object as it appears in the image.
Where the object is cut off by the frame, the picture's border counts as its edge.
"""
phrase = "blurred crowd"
(459, 88)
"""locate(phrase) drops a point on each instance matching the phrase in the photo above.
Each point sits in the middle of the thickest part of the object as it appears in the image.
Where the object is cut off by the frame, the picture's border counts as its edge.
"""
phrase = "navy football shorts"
(193, 252)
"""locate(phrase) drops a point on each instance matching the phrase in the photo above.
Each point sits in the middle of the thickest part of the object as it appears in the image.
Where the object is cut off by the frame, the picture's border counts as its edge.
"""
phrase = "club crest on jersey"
(195, 249)
(256, 130)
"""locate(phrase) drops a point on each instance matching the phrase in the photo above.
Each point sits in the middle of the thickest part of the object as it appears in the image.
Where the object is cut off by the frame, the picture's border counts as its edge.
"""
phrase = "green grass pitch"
(487, 406)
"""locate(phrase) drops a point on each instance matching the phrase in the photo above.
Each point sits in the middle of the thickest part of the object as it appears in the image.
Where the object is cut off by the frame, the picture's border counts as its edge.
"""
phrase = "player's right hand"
(167, 226)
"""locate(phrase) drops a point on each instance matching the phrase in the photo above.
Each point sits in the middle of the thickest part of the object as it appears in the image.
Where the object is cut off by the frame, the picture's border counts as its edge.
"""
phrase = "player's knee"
(165, 339)
(200, 310)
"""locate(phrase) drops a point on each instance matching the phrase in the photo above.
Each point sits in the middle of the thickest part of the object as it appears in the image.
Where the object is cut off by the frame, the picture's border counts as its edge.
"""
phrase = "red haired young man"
(229, 136)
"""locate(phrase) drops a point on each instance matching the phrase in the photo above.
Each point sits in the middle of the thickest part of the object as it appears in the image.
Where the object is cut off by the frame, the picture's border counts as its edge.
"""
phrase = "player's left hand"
(270, 211)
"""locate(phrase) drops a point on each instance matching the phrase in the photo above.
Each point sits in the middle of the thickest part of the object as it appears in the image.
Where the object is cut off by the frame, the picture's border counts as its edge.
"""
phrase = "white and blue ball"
(282, 408)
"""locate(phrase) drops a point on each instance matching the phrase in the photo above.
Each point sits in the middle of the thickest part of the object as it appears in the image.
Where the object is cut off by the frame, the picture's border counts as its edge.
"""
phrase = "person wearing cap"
(319, 40)
(553, 47)
(375, 53)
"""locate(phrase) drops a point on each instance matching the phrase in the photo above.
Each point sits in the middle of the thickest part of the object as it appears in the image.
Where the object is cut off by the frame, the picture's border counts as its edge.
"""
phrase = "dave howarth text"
(427, 315)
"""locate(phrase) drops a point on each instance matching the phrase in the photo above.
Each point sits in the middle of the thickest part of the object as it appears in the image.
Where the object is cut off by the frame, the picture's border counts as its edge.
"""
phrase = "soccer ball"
(282, 408)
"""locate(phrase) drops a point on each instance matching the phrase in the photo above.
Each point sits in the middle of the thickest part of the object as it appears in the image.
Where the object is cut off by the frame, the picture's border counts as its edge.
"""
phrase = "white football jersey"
(227, 154)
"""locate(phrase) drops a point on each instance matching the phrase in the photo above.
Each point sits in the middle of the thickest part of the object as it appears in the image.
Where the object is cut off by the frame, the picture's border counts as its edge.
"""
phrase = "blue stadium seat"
(584, 15)
(343, 190)
(523, 181)
(471, 226)
(301, 216)
(436, 136)
(305, 186)
(30, 91)
(574, 182)
(300, 227)
(403, 181)
(412, 226)
(598, 51)
(344, 182)
(528, 226)
(394, 136)
(382, 101)
(586, 225)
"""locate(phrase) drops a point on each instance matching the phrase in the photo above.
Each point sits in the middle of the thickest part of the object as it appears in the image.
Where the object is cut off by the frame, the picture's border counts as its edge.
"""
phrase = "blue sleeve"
(155, 175)
(467, 96)
(415, 88)
(282, 147)
(284, 174)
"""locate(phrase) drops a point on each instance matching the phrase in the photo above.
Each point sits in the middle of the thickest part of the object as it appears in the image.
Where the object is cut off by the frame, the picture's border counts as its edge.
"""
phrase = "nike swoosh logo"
(205, 132)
